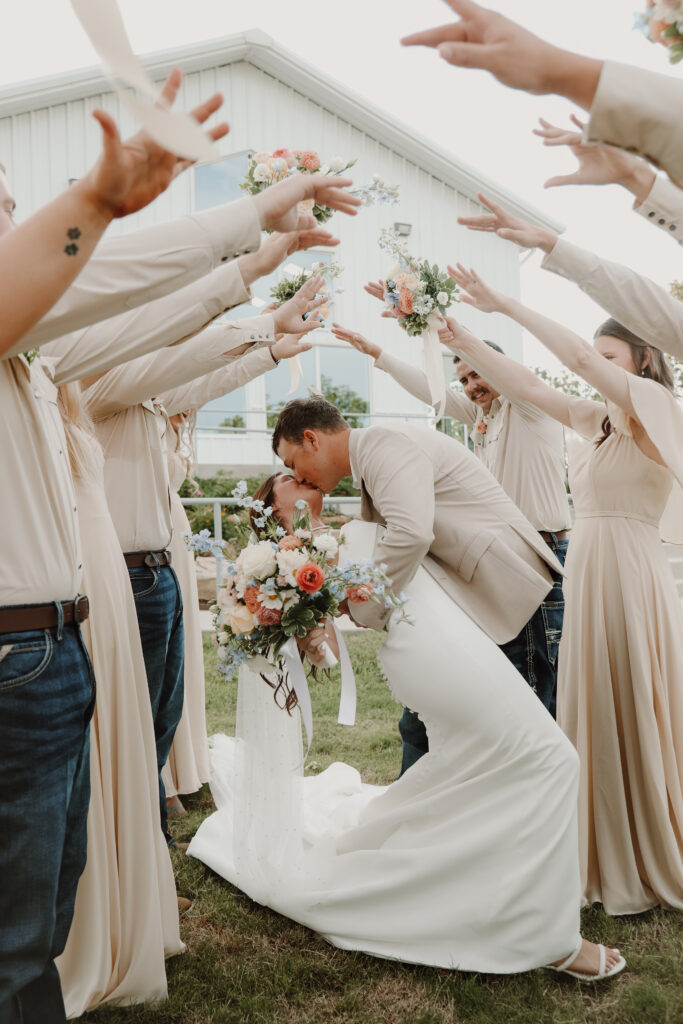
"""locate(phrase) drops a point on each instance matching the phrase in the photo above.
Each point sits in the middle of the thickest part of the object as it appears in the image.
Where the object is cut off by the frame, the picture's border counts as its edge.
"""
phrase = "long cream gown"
(126, 916)
(187, 767)
(620, 685)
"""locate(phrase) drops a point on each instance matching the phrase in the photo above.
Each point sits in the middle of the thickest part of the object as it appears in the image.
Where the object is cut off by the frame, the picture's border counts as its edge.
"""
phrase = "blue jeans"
(533, 652)
(160, 617)
(47, 695)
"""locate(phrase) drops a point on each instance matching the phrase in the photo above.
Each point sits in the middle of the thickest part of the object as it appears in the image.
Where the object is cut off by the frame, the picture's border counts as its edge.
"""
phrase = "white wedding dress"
(469, 861)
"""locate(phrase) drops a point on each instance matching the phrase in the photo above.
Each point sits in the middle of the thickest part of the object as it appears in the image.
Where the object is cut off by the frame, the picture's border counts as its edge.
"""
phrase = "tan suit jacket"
(640, 110)
(663, 207)
(443, 508)
(133, 269)
(635, 301)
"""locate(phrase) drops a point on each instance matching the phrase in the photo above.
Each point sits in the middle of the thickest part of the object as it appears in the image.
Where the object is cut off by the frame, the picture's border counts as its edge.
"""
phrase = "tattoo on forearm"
(71, 249)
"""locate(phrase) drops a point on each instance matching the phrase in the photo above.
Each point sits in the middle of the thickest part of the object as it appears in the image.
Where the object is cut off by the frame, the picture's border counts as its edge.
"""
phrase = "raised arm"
(177, 316)
(409, 377)
(576, 354)
(42, 257)
(644, 307)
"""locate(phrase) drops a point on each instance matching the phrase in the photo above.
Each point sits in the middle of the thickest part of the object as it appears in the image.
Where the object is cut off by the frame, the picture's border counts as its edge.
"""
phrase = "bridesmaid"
(187, 768)
(126, 917)
(620, 686)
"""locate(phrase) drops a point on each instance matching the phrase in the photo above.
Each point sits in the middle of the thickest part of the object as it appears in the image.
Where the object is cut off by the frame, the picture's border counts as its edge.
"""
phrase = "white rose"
(226, 600)
(262, 172)
(442, 298)
(337, 164)
(327, 544)
(223, 639)
(257, 560)
(288, 563)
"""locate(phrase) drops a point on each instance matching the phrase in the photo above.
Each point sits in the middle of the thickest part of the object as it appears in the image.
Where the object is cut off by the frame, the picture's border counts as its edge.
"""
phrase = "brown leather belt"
(548, 537)
(20, 618)
(151, 559)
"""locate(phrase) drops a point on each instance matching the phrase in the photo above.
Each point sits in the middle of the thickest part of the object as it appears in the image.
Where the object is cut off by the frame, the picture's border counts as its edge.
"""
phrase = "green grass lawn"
(247, 965)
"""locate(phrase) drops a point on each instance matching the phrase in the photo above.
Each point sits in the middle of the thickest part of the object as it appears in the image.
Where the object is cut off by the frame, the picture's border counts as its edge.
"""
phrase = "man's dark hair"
(307, 414)
(491, 344)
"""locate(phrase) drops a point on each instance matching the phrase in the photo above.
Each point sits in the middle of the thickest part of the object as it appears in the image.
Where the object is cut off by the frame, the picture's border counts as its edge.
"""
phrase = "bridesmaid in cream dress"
(187, 768)
(126, 917)
(620, 686)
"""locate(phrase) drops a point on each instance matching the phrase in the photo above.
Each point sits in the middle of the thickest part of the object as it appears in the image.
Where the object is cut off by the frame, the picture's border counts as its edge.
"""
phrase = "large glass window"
(228, 413)
(341, 374)
(218, 183)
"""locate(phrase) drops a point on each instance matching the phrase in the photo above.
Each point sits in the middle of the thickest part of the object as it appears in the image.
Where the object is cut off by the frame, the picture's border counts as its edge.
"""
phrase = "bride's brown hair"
(656, 368)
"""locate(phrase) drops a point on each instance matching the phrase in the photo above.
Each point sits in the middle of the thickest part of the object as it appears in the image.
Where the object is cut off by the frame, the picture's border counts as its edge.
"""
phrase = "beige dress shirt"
(522, 446)
(443, 509)
(644, 307)
(130, 270)
(41, 558)
(663, 207)
(640, 110)
(131, 426)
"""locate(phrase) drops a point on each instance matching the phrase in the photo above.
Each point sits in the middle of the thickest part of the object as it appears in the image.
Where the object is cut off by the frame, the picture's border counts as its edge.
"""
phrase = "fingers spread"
(170, 89)
(454, 32)
(207, 108)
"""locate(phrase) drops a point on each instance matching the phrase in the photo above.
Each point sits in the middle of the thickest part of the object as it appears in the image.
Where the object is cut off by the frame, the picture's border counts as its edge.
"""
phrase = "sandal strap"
(572, 957)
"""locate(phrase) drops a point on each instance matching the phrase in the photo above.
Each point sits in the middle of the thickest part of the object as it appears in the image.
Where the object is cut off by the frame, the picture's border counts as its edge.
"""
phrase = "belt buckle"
(81, 608)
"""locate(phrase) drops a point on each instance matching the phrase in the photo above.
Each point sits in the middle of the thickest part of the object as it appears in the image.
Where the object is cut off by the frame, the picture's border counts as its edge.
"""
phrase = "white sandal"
(564, 968)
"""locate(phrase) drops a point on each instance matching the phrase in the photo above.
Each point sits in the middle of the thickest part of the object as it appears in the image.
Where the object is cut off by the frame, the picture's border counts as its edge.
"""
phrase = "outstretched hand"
(278, 205)
(129, 175)
(507, 226)
(516, 57)
(359, 342)
(377, 289)
(289, 317)
(278, 246)
(290, 345)
(474, 292)
(598, 164)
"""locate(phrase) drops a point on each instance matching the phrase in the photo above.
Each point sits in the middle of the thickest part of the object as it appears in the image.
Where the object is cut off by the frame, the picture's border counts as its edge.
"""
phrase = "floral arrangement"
(662, 22)
(414, 289)
(293, 281)
(265, 169)
(204, 543)
(283, 585)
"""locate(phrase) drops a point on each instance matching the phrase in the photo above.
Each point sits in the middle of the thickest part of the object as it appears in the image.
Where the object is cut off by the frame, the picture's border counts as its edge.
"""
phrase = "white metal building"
(273, 99)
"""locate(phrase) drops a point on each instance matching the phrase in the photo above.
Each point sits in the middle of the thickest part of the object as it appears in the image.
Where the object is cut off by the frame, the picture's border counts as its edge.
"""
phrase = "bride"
(469, 861)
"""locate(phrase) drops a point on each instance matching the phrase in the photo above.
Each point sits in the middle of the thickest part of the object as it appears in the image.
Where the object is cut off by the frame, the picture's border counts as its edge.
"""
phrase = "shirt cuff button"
(661, 220)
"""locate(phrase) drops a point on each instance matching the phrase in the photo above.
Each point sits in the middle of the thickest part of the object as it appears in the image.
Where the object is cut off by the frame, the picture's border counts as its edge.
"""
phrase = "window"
(227, 413)
(341, 374)
(218, 183)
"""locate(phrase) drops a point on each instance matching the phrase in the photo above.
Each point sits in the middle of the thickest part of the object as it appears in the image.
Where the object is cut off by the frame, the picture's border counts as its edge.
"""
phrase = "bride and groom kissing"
(470, 860)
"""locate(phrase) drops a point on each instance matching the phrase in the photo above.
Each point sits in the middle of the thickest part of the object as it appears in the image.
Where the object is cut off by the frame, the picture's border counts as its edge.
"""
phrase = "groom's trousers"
(533, 652)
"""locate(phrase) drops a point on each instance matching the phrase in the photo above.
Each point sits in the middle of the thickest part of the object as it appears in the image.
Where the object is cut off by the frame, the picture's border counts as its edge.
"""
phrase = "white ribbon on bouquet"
(436, 378)
(299, 683)
(173, 130)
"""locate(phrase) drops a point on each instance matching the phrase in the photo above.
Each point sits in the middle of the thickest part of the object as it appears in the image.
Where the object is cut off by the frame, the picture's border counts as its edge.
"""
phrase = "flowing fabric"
(620, 683)
(126, 915)
(187, 768)
(469, 861)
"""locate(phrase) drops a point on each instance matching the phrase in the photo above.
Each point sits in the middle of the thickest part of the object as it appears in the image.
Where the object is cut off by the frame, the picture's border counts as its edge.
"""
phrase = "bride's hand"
(318, 642)
(474, 291)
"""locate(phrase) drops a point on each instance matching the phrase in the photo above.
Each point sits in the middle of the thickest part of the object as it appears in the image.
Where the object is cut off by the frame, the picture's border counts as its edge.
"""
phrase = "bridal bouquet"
(662, 23)
(414, 289)
(284, 585)
(265, 169)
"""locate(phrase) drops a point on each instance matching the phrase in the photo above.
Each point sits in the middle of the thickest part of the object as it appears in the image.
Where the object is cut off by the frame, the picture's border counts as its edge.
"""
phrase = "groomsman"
(524, 450)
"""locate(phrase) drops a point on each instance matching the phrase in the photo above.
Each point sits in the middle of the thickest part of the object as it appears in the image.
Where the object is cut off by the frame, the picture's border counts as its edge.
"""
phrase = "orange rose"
(289, 542)
(309, 160)
(359, 595)
(251, 599)
(310, 577)
(405, 301)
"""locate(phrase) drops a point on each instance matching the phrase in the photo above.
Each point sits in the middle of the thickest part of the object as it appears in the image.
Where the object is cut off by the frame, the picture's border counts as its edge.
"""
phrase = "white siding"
(42, 149)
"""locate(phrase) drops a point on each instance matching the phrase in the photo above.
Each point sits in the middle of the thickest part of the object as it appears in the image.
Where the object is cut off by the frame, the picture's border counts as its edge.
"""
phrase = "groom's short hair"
(307, 414)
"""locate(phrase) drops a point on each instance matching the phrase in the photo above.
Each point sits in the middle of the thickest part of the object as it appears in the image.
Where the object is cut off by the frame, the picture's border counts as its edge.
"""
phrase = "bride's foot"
(174, 806)
(591, 962)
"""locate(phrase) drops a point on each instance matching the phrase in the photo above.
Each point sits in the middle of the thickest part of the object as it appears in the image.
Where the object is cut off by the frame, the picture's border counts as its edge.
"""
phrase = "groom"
(441, 507)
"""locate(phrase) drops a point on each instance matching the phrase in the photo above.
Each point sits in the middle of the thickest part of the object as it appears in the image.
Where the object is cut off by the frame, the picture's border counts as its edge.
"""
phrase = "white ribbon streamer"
(347, 698)
(173, 130)
(434, 365)
(295, 373)
(297, 678)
